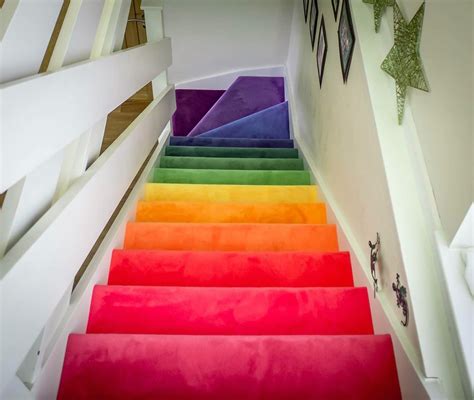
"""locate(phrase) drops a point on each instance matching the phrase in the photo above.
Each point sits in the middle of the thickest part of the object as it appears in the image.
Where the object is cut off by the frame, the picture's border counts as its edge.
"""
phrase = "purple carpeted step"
(271, 123)
(231, 142)
(246, 96)
(191, 106)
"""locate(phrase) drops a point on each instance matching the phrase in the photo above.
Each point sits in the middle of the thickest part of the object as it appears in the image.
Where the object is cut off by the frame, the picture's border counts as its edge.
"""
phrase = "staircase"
(231, 284)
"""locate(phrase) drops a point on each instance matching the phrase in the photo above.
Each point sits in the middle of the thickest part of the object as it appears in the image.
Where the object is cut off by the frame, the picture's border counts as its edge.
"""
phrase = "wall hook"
(401, 294)
(374, 255)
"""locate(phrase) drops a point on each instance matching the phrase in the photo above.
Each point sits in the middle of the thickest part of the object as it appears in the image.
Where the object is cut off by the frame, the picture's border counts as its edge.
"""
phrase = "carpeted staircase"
(230, 284)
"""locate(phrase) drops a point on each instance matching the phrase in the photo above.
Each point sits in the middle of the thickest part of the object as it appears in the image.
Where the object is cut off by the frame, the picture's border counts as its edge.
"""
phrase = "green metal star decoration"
(403, 62)
(379, 8)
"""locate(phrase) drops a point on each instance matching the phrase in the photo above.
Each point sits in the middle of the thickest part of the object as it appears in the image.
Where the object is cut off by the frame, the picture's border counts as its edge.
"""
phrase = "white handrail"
(39, 270)
(49, 111)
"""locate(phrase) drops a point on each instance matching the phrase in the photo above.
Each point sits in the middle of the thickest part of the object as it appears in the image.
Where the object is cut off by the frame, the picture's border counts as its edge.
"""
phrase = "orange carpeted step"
(307, 213)
(231, 237)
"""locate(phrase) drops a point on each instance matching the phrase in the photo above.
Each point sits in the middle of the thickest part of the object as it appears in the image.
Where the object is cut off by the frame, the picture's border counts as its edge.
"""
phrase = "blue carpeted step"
(231, 142)
(271, 123)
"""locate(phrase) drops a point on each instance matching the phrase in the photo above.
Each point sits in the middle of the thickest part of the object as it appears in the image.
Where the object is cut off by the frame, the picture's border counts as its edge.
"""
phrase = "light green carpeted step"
(232, 163)
(231, 177)
(236, 152)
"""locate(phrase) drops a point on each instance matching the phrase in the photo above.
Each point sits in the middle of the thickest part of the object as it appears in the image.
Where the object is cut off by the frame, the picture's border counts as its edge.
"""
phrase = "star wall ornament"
(379, 8)
(403, 62)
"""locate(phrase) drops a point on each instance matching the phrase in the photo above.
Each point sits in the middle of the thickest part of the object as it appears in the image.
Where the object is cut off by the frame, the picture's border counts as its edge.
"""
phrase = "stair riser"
(231, 237)
(230, 311)
(231, 177)
(228, 269)
(235, 152)
(314, 213)
(231, 193)
(220, 142)
(231, 163)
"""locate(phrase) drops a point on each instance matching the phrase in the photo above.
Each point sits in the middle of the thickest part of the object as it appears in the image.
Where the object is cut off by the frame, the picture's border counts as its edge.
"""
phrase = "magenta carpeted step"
(247, 95)
(227, 269)
(149, 367)
(191, 106)
(230, 311)
(271, 123)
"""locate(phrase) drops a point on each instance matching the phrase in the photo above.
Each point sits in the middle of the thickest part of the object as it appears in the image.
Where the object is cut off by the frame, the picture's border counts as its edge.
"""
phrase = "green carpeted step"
(236, 152)
(231, 177)
(232, 163)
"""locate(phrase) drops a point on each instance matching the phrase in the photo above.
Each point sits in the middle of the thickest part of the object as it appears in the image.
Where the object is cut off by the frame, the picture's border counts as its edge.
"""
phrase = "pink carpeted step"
(229, 311)
(252, 269)
(149, 367)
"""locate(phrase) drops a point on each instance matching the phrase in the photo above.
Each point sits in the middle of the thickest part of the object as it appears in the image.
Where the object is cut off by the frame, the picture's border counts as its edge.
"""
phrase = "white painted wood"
(76, 318)
(464, 236)
(62, 105)
(27, 26)
(110, 8)
(121, 26)
(95, 143)
(49, 255)
(27, 201)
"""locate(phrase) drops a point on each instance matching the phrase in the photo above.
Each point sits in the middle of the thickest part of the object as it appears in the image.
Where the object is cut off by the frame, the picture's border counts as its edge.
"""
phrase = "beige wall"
(444, 116)
(336, 123)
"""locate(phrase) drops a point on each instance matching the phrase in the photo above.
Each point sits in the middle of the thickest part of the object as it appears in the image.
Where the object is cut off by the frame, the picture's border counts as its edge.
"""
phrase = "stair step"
(307, 213)
(117, 366)
(231, 237)
(231, 177)
(230, 193)
(226, 269)
(235, 152)
(229, 311)
(232, 163)
(226, 142)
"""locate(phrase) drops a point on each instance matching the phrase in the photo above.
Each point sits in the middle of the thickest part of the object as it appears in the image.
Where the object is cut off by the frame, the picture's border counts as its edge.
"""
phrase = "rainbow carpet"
(230, 284)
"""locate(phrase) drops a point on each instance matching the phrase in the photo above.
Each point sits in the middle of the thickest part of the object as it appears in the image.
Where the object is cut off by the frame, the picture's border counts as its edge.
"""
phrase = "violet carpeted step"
(246, 96)
(229, 142)
(191, 106)
(230, 311)
(186, 367)
(271, 123)
(227, 269)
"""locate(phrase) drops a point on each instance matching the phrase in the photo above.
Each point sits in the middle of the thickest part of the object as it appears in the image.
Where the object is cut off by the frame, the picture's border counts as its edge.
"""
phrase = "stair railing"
(61, 194)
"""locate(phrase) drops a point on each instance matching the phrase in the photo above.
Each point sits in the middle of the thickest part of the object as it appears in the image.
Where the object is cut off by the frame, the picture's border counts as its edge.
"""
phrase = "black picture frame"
(346, 39)
(313, 21)
(305, 9)
(335, 8)
(321, 50)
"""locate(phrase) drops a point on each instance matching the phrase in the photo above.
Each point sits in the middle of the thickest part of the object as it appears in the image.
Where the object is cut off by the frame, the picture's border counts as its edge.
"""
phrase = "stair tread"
(242, 152)
(229, 367)
(231, 237)
(234, 193)
(229, 310)
(228, 142)
(240, 269)
(219, 176)
(231, 163)
(159, 211)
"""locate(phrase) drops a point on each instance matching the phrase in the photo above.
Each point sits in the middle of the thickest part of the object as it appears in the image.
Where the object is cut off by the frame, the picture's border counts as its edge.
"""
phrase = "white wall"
(444, 116)
(212, 37)
(337, 129)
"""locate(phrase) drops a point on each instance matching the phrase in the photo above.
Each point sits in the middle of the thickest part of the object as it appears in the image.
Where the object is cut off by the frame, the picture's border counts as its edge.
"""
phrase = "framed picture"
(313, 20)
(306, 9)
(335, 8)
(321, 51)
(346, 37)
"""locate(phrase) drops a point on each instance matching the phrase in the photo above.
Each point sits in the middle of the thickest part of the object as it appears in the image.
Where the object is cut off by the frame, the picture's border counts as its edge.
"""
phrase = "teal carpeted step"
(231, 177)
(232, 163)
(236, 152)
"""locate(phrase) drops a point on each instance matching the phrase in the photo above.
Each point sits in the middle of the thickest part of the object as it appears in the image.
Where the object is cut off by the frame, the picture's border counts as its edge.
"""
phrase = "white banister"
(40, 268)
(80, 95)
(25, 30)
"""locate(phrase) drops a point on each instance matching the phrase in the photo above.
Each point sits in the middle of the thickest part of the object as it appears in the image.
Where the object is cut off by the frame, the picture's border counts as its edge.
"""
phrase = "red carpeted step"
(231, 237)
(229, 311)
(252, 269)
(149, 367)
